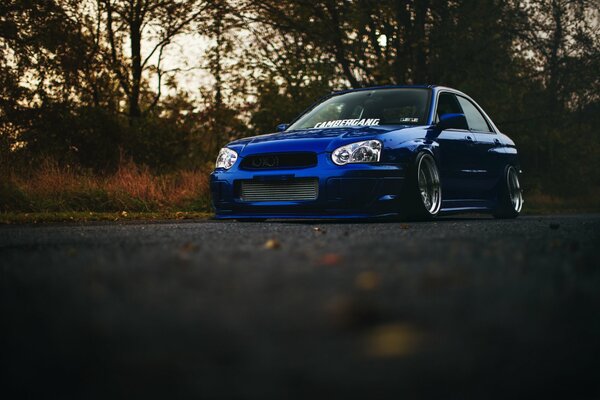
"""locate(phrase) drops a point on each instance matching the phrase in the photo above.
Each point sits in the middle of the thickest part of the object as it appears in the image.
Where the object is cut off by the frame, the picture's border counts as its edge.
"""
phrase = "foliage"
(88, 83)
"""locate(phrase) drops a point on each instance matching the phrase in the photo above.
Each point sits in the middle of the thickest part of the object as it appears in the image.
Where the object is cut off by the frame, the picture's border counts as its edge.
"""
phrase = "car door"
(487, 158)
(457, 154)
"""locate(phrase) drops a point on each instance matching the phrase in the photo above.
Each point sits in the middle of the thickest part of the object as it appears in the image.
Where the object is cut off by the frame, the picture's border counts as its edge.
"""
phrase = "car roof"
(383, 87)
(433, 87)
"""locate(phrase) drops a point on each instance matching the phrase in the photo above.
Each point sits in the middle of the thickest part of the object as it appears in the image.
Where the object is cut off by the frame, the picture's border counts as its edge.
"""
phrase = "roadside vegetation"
(52, 193)
(64, 192)
(122, 105)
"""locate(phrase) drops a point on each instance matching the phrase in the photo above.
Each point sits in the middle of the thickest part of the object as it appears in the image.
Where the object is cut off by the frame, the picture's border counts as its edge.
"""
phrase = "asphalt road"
(453, 309)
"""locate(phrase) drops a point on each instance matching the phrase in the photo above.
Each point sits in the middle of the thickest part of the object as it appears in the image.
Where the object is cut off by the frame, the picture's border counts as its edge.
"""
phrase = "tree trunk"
(338, 44)
(400, 43)
(420, 74)
(556, 44)
(136, 61)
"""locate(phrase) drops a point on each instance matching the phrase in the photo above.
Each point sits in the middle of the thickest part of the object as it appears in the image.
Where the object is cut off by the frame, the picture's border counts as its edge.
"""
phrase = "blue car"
(396, 151)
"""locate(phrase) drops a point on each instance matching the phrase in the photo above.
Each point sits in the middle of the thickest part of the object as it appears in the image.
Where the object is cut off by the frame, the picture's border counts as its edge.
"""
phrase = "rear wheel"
(422, 198)
(510, 195)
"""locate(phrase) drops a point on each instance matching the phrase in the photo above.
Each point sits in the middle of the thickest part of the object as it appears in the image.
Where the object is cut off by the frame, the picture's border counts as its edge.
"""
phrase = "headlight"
(360, 152)
(226, 158)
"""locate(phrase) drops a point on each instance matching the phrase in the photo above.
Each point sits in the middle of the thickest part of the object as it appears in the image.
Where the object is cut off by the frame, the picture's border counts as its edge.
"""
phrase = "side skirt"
(459, 206)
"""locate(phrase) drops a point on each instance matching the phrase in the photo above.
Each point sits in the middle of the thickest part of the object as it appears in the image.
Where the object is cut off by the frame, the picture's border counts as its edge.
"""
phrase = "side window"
(447, 104)
(475, 119)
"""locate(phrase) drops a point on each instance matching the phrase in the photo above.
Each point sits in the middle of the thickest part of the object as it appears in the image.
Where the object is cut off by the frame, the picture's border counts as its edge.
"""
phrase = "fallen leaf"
(367, 280)
(330, 259)
(392, 340)
(272, 244)
(319, 230)
(188, 247)
(404, 226)
(123, 213)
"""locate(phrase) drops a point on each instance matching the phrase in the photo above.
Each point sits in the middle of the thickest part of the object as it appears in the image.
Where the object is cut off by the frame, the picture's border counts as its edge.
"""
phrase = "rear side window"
(475, 119)
(447, 104)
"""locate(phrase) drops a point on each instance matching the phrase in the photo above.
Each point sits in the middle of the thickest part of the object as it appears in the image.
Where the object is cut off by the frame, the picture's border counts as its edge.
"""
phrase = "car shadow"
(316, 221)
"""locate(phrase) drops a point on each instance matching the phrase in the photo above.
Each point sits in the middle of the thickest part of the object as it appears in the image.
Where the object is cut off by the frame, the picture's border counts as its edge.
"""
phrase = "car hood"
(315, 140)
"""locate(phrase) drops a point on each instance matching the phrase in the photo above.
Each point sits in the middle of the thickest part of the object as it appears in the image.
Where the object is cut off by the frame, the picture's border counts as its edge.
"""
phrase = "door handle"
(497, 141)
(469, 138)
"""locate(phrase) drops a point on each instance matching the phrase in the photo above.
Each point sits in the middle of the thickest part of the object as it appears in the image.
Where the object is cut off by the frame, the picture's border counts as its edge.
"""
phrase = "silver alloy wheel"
(429, 184)
(514, 189)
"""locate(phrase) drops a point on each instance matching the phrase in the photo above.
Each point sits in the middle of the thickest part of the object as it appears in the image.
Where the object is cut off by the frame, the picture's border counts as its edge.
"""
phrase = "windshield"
(368, 108)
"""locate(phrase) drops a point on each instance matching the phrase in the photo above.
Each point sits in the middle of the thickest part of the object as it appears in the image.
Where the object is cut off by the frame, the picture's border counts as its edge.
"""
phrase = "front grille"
(279, 160)
(290, 190)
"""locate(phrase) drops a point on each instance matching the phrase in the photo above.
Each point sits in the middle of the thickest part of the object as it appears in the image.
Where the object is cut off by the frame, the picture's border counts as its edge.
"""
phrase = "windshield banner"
(347, 122)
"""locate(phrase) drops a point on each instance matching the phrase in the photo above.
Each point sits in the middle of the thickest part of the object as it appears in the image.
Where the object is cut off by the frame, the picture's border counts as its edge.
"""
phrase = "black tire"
(414, 205)
(510, 195)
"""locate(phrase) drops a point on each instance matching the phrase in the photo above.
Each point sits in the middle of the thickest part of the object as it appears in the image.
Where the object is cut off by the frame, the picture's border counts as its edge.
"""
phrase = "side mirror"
(282, 127)
(452, 121)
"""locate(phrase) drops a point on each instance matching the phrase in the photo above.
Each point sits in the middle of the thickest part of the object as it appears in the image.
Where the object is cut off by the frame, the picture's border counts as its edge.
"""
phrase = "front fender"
(406, 152)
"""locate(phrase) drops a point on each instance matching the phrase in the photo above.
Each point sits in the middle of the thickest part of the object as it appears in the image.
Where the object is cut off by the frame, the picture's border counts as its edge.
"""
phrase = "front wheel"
(422, 198)
(510, 195)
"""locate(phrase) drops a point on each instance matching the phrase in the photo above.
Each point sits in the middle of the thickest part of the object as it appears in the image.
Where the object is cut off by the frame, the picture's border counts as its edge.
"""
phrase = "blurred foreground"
(457, 308)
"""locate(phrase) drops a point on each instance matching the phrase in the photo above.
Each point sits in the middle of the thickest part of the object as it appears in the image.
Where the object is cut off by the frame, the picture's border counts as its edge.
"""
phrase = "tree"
(562, 40)
(134, 23)
(44, 51)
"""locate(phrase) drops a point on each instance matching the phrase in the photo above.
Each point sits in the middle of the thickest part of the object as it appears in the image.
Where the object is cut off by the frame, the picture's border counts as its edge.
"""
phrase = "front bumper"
(350, 191)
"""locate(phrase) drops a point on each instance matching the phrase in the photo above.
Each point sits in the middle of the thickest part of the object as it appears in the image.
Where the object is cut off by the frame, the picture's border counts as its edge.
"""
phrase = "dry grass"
(132, 188)
(89, 216)
(175, 190)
